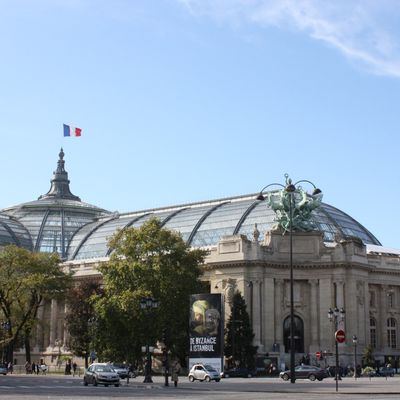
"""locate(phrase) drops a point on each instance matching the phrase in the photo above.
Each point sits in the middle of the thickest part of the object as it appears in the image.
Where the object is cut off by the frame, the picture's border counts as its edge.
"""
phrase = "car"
(101, 373)
(122, 370)
(386, 371)
(3, 369)
(241, 372)
(204, 373)
(310, 372)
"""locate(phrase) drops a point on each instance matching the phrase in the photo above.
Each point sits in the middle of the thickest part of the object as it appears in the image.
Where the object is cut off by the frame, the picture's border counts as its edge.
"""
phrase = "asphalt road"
(18, 387)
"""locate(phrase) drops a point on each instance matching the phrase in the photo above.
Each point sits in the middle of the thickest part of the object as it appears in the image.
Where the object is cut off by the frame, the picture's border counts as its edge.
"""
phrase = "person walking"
(176, 369)
(74, 366)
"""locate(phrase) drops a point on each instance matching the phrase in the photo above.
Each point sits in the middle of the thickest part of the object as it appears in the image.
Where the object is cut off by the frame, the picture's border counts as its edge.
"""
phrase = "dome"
(204, 224)
(60, 222)
(51, 221)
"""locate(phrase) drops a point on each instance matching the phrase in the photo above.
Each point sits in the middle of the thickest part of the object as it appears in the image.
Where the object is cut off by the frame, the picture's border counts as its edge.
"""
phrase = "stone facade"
(339, 274)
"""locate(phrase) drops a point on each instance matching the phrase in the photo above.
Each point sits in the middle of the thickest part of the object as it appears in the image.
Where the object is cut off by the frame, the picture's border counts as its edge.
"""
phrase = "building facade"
(339, 263)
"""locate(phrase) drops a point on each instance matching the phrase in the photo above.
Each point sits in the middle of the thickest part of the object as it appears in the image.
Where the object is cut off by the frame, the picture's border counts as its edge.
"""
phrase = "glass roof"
(204, 224)
(12, 232)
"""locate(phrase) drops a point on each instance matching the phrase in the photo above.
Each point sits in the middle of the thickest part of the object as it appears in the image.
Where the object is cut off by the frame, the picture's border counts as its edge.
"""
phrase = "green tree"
(26, 280)
(368, 358)
(146, 261)
(81, 317)
(239, 334)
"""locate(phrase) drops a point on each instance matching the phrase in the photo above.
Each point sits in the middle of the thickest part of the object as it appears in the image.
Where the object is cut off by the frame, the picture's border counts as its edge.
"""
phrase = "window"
(372, 332)
(391, 333)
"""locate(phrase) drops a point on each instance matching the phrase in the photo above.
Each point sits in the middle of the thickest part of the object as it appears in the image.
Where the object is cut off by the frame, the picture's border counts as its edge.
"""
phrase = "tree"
(26, 280)
(368, 358)
(146, 261)
(239, 334)
(81, 317)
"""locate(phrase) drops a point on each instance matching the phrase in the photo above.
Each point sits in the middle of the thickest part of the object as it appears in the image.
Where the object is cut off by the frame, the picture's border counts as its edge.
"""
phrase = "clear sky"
(189, 100)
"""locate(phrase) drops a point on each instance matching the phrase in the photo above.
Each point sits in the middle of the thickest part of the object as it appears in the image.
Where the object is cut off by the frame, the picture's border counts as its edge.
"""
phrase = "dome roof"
(51, 221)
(204, 224)
(60, 222)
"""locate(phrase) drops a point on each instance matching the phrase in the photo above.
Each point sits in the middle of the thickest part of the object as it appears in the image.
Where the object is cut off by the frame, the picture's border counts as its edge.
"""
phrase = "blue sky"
(188, 100)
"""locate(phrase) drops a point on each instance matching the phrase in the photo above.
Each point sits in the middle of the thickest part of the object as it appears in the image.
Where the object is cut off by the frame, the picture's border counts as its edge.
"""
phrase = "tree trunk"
(27, 347)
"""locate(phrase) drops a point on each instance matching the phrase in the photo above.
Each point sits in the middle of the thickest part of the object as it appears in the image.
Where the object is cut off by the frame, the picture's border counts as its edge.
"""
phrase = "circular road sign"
(340, 336)
(318, 354)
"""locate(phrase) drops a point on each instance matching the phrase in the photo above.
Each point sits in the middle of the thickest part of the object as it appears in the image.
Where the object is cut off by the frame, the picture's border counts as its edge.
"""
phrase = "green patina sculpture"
(302, 206)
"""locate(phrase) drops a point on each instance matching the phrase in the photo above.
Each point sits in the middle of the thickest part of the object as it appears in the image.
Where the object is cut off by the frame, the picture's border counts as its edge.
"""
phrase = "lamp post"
(334, 316)
(355, 339)
(289, 195)
(148, 304)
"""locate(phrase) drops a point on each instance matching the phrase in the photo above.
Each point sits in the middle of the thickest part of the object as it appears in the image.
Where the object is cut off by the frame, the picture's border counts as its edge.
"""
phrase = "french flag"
(71, 131)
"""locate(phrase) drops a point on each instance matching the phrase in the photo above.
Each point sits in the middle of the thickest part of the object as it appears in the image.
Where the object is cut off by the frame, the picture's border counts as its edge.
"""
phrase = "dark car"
(102, 374)
(241, 372)
(386, 371)
(310, 372)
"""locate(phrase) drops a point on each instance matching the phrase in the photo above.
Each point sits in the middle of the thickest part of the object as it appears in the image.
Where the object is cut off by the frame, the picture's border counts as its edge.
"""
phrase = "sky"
(189, 100)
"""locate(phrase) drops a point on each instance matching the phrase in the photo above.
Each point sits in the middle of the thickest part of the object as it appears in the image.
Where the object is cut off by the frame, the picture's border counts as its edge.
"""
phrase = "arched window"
(391, 333)
(372, 332)
(298, 330)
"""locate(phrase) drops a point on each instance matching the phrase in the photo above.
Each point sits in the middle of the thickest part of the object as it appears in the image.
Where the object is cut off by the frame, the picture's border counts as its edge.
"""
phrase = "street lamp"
(335, 316)
(355, 355)
(294, 206)
(148, 304)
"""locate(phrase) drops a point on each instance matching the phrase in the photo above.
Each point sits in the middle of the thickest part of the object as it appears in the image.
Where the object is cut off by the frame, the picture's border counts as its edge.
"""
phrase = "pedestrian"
(176, 369)
(74, 368)
(33, 367)
(28, 367)
(10, 367)
(68, 367)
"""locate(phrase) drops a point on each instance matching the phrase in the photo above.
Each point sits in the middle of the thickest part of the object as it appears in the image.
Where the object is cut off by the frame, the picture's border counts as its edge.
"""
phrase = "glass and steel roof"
(204, 224)
(60, 222)
(13, 232)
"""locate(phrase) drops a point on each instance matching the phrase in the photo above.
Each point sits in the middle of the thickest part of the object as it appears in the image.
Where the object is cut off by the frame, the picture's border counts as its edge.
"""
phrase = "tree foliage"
(26, 280)
(146, 261)
(239, 334)
(81, 317)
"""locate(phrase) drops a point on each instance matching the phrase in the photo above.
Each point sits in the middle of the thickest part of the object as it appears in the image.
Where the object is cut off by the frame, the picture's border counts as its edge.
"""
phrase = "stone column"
(340, 300)
(257, 313)
(66, 333)
(326, 302)
(381, 323)
(53, 323)
(314, 345)
(268, 313)
(279, 283)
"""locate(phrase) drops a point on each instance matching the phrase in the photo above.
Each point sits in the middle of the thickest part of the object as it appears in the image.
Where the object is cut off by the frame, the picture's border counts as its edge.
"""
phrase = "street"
(17, 387)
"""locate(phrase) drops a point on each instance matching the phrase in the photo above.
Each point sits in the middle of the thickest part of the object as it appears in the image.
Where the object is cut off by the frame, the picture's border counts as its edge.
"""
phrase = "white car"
(204, 373)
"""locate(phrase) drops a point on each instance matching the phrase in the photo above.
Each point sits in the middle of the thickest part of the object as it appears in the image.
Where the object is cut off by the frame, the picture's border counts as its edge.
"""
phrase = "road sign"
(340, 336)
(318, 354)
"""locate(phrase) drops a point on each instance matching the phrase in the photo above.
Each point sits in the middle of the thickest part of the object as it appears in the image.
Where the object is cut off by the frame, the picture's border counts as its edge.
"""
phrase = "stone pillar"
(268, 313)
(279, 284)
(53, 322)
(257, 313)
(326, 302)
(66, 333)
(314, 345)
(381, 323)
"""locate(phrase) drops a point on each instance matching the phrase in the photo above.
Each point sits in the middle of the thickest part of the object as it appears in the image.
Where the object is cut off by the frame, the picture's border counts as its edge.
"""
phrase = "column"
(278, 312)
(314, 344)
(269, 313)
(326, 301)
(66, 333)
(53, 322)
(256, 313)
(381, 320)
